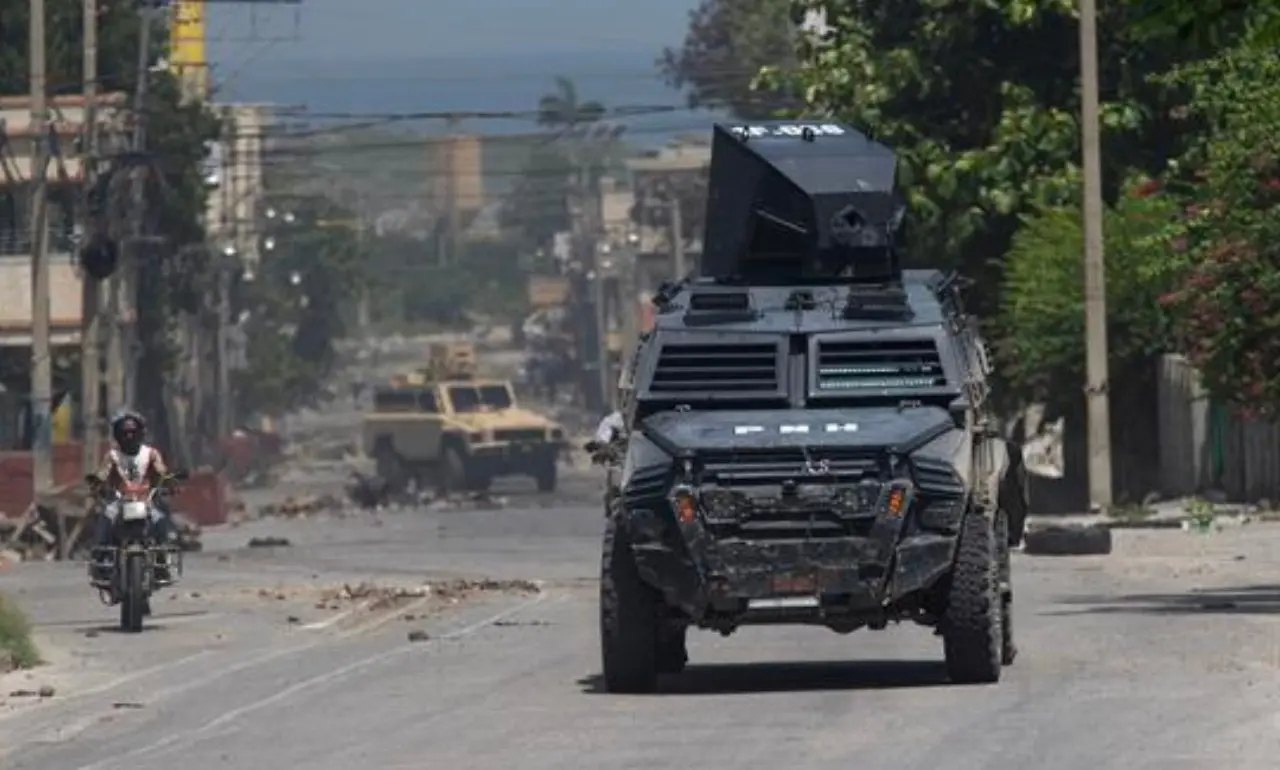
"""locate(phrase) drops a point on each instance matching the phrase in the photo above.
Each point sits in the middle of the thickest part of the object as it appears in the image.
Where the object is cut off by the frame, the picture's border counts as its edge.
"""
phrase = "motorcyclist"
(606, 445)
(132, 460)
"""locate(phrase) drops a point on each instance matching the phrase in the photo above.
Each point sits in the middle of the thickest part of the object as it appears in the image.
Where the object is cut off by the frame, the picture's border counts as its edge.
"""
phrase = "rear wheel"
(133, 593)
(628, 619)
(972, 626)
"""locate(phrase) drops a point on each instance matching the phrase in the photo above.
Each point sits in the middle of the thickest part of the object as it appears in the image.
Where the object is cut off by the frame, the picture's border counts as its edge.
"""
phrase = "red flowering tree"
(1227, 308)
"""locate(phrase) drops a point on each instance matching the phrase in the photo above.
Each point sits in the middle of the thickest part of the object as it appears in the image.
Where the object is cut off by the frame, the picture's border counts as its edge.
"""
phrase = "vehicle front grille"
(732, 369)
(519, 434)
(772, 524)
(756, 480)
(860, 366)
(776, 466)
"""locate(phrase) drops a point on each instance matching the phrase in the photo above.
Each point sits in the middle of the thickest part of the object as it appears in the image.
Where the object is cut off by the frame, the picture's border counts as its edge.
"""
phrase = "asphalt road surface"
(1123, 665)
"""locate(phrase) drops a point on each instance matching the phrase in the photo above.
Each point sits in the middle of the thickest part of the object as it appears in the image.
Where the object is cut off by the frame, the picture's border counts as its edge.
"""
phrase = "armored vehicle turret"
(808, 438)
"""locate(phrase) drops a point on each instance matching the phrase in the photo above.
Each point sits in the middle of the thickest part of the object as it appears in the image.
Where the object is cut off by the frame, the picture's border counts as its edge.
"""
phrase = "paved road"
(1121, 667)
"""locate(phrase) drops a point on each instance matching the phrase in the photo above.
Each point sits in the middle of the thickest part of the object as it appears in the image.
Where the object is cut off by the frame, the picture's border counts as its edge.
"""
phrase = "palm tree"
(562, 109)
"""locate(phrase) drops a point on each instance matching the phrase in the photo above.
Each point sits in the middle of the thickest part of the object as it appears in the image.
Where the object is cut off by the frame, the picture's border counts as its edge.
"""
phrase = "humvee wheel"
(545, 472)
(628, 619)
(390, 469)
(453, 473)
(972, 626)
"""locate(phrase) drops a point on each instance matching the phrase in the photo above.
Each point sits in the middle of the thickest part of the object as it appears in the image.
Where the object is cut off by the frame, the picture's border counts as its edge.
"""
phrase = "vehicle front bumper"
(699, 573)
(513, 456)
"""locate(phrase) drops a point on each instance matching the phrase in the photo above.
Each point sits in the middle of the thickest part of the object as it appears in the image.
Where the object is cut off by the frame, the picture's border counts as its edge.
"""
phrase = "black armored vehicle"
(808, 435)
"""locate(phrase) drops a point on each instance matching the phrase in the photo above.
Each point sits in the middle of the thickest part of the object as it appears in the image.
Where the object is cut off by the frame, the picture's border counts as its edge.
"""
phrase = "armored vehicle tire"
(459, 473)
(972, 627)
(546, 473)
(628, 619)
(672, 654)
(1008, 647)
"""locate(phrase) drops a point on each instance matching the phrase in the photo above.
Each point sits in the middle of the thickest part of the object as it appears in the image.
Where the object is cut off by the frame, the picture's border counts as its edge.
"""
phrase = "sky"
(362, 56)
(365, 29)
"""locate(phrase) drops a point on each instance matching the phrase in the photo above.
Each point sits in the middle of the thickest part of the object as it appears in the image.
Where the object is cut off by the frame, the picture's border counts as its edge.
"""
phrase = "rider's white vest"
(134, 468)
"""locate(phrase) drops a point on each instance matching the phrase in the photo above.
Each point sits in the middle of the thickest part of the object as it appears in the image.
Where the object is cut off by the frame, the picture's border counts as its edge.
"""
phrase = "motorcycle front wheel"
(133, 596)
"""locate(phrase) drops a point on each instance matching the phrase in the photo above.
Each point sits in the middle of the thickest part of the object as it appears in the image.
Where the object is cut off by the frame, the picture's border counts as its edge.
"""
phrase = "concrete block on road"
(1067, 540)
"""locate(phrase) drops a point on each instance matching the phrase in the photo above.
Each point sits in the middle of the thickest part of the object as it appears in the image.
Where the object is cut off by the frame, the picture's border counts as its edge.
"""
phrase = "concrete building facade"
(65, 173)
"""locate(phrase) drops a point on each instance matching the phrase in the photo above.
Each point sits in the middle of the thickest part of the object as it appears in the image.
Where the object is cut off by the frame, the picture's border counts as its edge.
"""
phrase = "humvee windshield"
(391, 400)
(471, 398)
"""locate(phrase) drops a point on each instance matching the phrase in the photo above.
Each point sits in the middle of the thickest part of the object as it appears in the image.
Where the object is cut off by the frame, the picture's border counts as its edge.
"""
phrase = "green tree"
(562, 107)
(980, 101)
(727, 43)
(297, 306)
(1228, 307)
(538, 204)
(1040, 321)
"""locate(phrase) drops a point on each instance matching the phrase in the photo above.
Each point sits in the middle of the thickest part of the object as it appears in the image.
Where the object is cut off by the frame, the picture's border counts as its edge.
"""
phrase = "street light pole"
(1095, 292)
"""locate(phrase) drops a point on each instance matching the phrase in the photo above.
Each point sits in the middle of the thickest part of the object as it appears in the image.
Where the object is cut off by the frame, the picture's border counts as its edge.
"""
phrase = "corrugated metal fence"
(1204, 446)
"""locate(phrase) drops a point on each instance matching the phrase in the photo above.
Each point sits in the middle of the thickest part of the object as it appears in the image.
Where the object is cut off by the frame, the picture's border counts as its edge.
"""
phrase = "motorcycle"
(134, 564)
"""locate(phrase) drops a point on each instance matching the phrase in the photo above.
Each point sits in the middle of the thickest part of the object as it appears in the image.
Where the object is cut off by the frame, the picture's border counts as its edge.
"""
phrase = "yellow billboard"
(187, 47)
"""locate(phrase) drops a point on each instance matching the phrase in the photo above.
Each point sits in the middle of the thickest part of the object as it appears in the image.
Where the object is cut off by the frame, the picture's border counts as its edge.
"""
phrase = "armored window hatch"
(865, 366)
(715, 369)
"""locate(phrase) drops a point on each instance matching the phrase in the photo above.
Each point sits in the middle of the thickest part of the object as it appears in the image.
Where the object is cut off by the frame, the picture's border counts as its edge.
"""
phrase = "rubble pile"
(450, 591)
(304, 507)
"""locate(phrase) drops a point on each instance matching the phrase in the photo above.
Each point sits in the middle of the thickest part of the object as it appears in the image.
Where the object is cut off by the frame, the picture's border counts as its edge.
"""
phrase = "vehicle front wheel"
(972, 625)
(1008, 647)
(546, 472)
(628, 619)
(673, 651)
(133, 596)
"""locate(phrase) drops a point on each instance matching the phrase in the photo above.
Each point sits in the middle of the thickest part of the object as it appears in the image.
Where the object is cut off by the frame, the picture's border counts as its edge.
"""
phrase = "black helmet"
(129, 430)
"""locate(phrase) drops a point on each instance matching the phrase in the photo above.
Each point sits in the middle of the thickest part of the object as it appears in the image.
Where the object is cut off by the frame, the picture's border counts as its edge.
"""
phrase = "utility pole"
(91, 288)
(226, 270)
(628, 309)
(677, 237)
(127, 285)
(600, 321)
(1095, 291)
(41, 361)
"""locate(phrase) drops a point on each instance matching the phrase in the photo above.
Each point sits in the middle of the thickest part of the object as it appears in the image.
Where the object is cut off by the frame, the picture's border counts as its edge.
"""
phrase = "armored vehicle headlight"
(556, 434)
(685, 504)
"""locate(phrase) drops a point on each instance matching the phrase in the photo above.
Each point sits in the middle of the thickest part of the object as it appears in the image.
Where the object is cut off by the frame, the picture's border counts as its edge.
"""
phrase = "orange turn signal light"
(686, 507)
(896, 498)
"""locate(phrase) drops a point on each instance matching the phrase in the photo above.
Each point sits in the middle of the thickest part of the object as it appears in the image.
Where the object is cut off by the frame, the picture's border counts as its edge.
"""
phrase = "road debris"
(268, 542)
(294, 508)
(45, 691)
(1067, 540)
(419, 636)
